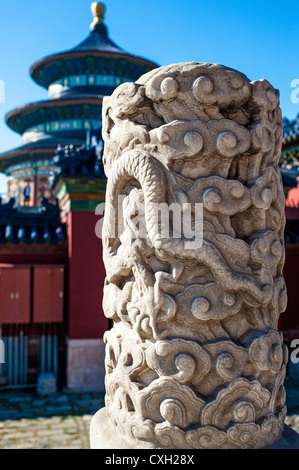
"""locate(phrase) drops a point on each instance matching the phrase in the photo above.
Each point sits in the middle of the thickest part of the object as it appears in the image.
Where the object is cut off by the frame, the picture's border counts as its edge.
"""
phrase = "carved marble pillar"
(194, 359)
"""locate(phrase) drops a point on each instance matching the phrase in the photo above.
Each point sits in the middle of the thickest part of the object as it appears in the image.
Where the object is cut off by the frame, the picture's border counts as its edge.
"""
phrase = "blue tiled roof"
(31, 224)
(77, 163)
(98, 40)
(290, 128)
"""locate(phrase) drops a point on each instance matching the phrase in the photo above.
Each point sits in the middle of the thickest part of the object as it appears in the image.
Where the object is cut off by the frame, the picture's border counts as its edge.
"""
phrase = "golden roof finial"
(98, 10)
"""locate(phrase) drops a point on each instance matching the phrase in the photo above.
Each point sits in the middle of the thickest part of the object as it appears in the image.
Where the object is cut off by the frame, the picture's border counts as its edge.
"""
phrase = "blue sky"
(259, 38)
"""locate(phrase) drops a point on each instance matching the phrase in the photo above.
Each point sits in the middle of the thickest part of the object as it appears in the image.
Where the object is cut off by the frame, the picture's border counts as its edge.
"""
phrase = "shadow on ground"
(16, 405)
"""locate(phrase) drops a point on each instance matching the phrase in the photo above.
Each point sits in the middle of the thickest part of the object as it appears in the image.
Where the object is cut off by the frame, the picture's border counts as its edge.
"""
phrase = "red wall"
(29, 254)
(86, 275)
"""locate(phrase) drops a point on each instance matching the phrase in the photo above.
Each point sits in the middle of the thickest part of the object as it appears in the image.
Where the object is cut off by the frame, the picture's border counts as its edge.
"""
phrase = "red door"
(14, 295)
(48, 294)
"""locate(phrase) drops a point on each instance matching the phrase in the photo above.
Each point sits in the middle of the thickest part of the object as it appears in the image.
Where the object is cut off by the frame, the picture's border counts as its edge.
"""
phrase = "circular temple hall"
(76, 80)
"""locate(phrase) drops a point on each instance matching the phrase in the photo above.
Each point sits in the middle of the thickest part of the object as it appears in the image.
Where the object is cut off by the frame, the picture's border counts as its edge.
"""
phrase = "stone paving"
(61, 421)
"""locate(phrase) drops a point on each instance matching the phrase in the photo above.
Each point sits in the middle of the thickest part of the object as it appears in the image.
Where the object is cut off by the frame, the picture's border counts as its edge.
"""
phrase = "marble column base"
(104, 436)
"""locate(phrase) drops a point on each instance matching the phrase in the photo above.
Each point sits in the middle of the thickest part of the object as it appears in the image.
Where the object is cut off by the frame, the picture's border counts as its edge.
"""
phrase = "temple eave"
(46, 62)
(21, 114)
(11, 158)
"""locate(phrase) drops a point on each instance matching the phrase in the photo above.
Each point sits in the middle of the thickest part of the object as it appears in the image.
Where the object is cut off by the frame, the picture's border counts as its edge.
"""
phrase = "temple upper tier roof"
(81, 59)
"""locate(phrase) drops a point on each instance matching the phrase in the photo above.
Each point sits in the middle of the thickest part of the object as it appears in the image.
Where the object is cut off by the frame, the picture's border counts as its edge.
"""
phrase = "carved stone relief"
(194, 359)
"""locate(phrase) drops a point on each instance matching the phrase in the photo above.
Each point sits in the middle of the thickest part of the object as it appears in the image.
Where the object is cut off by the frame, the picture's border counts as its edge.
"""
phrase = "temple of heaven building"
(51, 269)
(76, 80)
